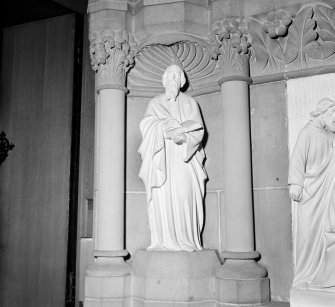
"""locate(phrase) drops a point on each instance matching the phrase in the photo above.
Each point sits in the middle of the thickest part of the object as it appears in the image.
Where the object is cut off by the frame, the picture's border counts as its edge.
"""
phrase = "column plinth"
(105, 266)
(241, 265)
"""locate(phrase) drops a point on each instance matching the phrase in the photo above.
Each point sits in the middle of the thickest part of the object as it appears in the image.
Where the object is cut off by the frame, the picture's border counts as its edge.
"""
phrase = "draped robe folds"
(173, 175)
(312, 166)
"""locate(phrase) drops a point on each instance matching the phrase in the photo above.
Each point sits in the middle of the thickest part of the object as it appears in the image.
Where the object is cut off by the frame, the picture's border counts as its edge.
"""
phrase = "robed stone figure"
(312, 188)
(172, 167)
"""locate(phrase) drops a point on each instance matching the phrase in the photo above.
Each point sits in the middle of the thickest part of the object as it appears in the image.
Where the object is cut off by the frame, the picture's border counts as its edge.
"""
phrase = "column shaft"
(109, 170)
(237, 166)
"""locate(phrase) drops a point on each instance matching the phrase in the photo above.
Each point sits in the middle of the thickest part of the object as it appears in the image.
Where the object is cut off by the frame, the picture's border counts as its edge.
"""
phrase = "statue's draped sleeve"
(152, 150)
(299, 159)
(194, 126)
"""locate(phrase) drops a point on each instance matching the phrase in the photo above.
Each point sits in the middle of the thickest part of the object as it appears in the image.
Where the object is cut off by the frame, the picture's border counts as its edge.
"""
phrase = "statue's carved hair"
(168, 71)
(322, 107)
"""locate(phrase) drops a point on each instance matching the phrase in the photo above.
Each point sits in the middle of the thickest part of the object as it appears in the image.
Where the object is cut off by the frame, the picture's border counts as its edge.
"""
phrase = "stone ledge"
(241, 292)
(312, 298)
(106, 5)
(269, 304)
(157, 2)
(135, 302)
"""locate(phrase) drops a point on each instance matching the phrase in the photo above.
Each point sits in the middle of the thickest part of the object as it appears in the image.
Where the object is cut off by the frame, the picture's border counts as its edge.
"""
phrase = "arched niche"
(156, 53)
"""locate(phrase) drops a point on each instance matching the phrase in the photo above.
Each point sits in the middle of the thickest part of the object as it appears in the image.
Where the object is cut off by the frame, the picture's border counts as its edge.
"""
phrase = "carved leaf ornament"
(267, 50)
(312, 34)
(292, 41)
(325, 18)
(302, 37)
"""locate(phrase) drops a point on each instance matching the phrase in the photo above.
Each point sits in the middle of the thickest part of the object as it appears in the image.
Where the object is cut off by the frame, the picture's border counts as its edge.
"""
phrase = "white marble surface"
(302, 96)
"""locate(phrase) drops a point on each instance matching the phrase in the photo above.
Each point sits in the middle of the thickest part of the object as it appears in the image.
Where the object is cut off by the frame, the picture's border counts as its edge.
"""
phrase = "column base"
(312, 298)
(241, 280)
(107, 283)
(166, 278)
(105, 266)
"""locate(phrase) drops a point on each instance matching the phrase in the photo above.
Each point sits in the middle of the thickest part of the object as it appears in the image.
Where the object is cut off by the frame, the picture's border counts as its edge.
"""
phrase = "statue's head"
(325, 112)
(173, 81)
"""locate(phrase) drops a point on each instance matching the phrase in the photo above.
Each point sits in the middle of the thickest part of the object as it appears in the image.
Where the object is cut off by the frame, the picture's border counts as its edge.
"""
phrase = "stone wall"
(301, 43)
(272, 210)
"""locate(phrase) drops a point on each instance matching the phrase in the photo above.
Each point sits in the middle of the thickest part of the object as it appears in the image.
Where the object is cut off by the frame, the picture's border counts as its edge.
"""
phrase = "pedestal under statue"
(172, 168)
(312, 189)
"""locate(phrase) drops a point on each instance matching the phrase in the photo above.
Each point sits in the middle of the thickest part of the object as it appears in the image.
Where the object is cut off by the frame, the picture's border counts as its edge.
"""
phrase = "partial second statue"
(172, 166)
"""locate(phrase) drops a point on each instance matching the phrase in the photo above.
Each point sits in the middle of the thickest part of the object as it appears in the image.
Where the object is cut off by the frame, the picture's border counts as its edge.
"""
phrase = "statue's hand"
(170, 124)
(179, 138)
(295, 192)
(171, 133)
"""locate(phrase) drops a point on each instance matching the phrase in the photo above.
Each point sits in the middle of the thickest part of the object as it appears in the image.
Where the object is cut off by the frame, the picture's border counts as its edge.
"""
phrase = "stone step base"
(312, 298)
(132, 302)
(178, 279)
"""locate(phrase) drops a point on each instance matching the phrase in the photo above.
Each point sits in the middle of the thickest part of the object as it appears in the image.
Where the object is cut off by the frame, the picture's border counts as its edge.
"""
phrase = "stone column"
(111, 54)
(240, 280)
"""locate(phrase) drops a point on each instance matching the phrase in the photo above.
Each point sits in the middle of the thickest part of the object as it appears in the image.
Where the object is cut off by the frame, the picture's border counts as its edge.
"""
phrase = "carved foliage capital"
(229, 44)
(112, 55)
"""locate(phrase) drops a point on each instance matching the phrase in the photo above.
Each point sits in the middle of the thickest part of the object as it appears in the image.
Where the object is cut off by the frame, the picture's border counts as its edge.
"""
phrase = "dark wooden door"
(36, 114)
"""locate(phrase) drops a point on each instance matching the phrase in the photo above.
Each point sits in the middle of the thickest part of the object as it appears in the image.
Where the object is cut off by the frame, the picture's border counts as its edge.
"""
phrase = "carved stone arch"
(156, 53)
(170, 39)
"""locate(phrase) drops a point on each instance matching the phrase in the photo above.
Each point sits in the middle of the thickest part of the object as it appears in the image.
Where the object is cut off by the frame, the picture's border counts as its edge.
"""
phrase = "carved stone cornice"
(230, 46)
(112, 55)
(273, 44)
(281, 41)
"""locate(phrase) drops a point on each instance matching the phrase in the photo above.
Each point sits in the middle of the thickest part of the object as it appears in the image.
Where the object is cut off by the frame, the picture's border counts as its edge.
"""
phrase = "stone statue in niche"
(172, 167)
(312, 189)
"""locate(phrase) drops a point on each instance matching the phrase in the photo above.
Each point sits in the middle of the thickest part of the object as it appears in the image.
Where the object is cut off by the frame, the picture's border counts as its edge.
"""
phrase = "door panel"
(36, 113)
